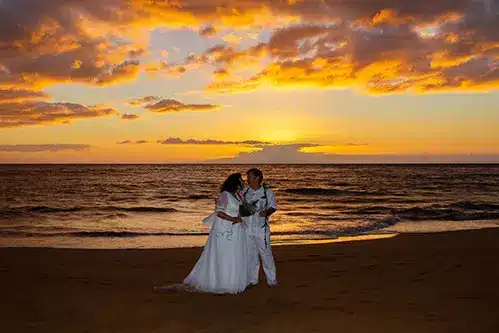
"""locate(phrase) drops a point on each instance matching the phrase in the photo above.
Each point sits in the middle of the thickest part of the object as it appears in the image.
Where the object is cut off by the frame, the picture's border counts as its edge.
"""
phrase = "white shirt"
(258, 198)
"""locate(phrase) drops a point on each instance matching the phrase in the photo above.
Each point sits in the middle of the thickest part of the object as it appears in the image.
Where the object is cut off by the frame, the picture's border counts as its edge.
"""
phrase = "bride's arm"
(224, 216)
(222, 203)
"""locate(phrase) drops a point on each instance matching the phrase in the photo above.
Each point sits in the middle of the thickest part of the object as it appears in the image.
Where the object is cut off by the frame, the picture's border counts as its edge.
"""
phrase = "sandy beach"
(442, 282)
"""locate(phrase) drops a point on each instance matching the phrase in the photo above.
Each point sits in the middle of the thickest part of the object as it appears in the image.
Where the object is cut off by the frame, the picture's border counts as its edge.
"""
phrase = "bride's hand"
(237, 220)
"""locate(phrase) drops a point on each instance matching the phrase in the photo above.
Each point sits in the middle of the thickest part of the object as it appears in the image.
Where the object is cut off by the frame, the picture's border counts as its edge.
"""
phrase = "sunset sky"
(319, 81)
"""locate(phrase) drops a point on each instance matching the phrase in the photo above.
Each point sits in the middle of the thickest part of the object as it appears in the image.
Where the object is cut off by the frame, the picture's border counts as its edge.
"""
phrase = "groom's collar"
(258, 189)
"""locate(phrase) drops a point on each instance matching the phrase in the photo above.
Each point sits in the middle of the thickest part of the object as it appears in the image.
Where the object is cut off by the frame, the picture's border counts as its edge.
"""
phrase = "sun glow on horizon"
(245, 80)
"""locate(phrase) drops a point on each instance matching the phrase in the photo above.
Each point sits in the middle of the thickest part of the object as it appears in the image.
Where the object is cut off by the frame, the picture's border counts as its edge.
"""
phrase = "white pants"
(258, 240)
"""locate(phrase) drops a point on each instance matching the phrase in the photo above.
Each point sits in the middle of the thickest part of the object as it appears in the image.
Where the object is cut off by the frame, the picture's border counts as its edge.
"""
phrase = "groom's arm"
(272, 203)
(268, 212)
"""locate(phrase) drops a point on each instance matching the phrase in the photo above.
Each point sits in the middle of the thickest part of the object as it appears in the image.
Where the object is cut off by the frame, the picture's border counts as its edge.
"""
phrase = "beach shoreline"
(165, 243)
(198, 241)
(441, 282)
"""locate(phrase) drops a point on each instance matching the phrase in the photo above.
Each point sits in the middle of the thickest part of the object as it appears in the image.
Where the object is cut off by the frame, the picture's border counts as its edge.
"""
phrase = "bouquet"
(247, 208)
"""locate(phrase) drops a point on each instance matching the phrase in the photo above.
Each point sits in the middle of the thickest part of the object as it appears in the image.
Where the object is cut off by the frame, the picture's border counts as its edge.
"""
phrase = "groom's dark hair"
(256, 172)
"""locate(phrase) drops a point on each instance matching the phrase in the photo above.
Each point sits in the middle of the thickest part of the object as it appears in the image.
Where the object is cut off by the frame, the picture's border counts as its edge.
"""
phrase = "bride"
(223, 267)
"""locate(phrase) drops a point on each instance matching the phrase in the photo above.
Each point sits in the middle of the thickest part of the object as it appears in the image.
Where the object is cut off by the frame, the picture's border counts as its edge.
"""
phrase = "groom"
(258, 230)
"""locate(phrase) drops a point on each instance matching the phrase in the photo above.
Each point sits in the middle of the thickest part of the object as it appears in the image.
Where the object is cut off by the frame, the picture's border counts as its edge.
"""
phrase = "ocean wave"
(475, 206)
(375, 226)
(380, 200)
(132, 234)
(45, 209)
(200, 196)
(95, 234)
(12, 212)
(432, 213)
(332, 192)
(142, 209)
(457, 211)
(371, 210)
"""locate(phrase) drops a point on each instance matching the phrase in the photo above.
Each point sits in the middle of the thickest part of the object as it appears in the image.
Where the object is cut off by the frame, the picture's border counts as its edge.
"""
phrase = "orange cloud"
(228, 86)
(231, 38)
(160, 105)
(171, 105)
(391, 59)
(299, 154)
(389, 16)
(208, 31)
(178, 141)
(20, 95)
(123, 72)
(380, 77)
(140, 101)
(35, 148)
(288, 153)
(191, 62)
(293, 41)
(225, 59)
(196, 13)
(43, 43)
(442, 59)
(221, 73)
(129, 116)
(138, 142)
(43, 113)
(59, 49)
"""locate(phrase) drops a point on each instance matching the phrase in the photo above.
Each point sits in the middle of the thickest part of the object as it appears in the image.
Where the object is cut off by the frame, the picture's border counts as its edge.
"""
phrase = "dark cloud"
(171, 105)
(140, 101)
(374, 59)
(127, 142)
(65, 40)
(129, 116)
(385, 46)
(292, 154)
(43, 148)
(354, 144)
(124, 71)
(191, 62)
(178, 141)
(19, 95)
(290, 41)
(163, 105)
(380, 46)
(43, 113)
(208, 31)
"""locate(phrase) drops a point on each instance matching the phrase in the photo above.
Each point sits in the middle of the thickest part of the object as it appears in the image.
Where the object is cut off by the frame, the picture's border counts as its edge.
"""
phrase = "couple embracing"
(238, 239)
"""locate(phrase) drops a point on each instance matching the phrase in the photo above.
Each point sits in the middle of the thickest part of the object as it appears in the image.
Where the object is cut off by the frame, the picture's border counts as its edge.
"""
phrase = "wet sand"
(442, 282)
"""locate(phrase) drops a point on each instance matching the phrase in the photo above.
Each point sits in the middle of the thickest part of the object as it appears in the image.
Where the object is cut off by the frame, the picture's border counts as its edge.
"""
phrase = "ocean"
(162, 205)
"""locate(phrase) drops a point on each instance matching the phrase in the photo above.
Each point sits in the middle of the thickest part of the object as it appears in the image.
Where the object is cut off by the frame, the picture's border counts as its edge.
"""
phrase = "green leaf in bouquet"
(247, 209)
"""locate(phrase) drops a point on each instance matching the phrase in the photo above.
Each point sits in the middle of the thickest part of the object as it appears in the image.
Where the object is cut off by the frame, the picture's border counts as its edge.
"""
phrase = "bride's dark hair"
(232, 183)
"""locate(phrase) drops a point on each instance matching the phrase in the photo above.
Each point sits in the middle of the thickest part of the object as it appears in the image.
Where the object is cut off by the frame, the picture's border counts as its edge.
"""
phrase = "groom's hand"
(267, 212)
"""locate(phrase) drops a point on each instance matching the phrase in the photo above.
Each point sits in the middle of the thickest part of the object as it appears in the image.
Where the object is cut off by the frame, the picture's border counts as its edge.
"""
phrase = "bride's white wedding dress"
(223, 266)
